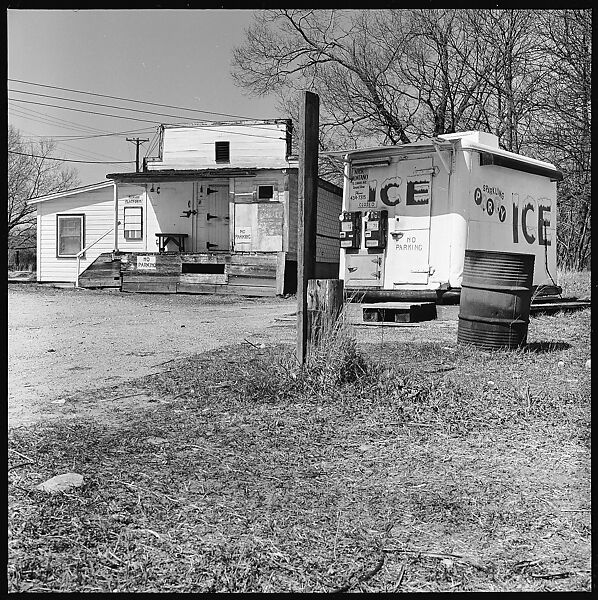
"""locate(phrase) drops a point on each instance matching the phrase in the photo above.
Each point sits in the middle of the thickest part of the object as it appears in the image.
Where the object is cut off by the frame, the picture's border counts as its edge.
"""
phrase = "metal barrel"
(496, 293)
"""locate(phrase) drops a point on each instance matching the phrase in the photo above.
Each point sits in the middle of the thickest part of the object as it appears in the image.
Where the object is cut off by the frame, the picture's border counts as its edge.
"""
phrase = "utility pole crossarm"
(137, 142)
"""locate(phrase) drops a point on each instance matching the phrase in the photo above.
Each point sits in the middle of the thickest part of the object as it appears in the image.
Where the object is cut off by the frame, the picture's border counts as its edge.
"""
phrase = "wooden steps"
(103, 272)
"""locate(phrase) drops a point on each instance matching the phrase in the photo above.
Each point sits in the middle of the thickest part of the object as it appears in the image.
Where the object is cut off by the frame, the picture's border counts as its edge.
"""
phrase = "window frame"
(60, 216)
(220, 144)
(134, 239)
(265, 185)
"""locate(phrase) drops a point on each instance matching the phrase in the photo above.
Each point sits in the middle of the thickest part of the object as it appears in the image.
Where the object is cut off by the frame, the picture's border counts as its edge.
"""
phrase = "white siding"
(259, 146)
(98, 208)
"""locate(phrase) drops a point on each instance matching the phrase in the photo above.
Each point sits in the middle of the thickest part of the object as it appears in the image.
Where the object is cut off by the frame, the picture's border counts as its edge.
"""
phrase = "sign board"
(133, 199)
(146, 263)
(242, 235)
(363, 189)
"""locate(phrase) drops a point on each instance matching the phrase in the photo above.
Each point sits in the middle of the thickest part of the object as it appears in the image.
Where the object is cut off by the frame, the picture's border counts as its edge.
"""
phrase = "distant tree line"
(395, 76)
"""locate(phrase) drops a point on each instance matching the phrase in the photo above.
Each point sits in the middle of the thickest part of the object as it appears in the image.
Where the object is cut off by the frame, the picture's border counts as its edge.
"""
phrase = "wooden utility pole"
(137, 142)
(307, 195)
(325, 299)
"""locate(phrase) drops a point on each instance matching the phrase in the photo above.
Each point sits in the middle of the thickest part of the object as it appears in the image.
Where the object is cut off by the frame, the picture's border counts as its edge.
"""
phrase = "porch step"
(102, 272)
(399, 312)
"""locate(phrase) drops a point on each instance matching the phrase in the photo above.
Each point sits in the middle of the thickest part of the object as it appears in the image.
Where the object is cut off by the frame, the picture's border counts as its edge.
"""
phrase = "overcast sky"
(175, 57)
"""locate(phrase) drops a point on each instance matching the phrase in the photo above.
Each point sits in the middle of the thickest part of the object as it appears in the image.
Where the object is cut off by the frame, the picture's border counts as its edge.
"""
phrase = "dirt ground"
(65, 344)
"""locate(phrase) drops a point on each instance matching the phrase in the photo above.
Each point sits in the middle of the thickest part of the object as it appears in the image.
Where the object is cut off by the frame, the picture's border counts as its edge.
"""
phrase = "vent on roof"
(222, 152)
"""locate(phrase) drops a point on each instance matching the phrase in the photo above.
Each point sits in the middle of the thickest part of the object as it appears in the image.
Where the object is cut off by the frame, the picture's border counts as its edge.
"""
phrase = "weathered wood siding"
(98, 207)
(243, 274)
(261, 145)
(104, 272)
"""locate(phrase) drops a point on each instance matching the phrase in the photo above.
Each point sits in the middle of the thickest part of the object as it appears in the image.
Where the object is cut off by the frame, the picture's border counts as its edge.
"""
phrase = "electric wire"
(91, 112)
(50, 120)
(112, 162)
(55, 87)
(269, 137)
(82, 152)
(89, 137)
(136, 110)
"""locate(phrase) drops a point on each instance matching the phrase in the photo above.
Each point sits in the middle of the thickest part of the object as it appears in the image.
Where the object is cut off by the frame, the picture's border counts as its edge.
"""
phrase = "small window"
(265, 192)
(70, 235)
(133, 223)
(222, 152)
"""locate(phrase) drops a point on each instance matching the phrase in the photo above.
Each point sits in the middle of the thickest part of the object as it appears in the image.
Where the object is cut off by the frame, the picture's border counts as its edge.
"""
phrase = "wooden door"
(211, 231)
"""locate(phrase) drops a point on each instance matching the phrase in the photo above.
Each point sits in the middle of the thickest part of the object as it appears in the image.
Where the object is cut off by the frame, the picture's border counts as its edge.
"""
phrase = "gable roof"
(73, 192)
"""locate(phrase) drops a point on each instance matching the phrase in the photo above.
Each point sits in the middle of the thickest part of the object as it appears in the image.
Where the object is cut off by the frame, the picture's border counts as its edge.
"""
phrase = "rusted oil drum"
(496, 293)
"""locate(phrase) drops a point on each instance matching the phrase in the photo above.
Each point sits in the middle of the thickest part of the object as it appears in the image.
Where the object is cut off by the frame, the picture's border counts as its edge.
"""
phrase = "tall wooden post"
(307, 194)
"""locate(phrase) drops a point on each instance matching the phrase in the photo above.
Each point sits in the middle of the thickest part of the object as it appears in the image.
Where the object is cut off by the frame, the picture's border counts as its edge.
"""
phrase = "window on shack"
(70, 235)
(265, 192)
(222, 152)
(133, 223)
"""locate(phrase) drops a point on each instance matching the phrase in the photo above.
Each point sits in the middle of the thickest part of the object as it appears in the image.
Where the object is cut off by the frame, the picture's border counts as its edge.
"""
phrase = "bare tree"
(394, 76)
(564, 136)
(514, 72)
(383, 76)
(31, 173)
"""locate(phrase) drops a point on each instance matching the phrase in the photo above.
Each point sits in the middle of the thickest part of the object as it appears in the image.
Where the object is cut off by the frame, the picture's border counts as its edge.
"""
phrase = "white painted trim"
(116, 216)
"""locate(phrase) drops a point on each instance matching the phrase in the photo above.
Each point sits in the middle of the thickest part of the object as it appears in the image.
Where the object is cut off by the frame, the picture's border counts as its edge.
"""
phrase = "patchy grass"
(434, 468)
(575, 283)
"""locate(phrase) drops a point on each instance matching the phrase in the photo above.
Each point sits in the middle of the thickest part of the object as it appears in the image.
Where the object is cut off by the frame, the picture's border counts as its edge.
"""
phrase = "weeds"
(428, 468)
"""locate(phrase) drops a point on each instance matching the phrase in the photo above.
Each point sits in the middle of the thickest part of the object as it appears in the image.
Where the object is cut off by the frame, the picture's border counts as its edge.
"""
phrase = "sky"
(176, 57)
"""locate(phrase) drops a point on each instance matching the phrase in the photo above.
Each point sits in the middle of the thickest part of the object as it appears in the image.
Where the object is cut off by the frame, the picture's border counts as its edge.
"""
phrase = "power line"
(92, 112)
(88, 137)
(89, 162)
(54, 87)
(51, 120)
(148, 112)
(268, 137)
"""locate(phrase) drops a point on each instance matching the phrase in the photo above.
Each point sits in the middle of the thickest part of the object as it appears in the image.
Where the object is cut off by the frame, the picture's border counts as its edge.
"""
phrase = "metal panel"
(407, 257)
(364, 270)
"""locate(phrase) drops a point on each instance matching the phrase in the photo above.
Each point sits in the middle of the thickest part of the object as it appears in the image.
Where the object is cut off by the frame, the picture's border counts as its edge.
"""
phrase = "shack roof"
(179, 175)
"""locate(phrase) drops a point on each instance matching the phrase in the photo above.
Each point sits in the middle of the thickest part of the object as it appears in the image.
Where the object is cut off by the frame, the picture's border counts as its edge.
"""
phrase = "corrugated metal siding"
(262, 146)
(293, 191)
(329, 208)
(327, 240)
(98, 207)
